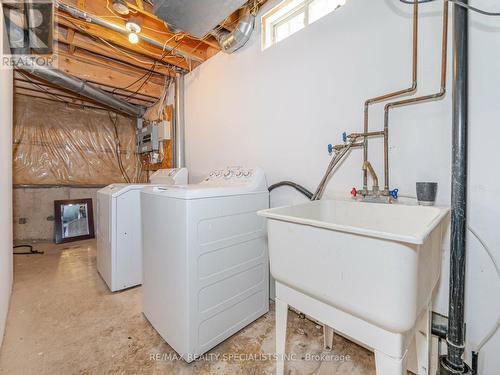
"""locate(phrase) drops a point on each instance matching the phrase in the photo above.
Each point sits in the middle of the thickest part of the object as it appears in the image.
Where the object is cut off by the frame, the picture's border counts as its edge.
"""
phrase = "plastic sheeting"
(60, 144)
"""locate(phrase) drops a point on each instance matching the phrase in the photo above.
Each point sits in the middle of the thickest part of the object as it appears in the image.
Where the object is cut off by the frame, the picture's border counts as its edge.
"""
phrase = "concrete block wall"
(34, 210)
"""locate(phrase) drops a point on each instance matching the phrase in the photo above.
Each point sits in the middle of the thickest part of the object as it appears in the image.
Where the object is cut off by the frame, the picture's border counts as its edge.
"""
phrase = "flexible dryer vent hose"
(297, 187)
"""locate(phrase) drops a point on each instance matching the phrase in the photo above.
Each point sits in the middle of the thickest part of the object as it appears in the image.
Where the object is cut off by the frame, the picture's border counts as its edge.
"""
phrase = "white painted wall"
(279, 108)
(5, 187)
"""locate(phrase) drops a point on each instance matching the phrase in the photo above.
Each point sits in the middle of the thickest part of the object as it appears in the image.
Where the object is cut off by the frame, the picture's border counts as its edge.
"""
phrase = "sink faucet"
(367, 166)
(374, 195)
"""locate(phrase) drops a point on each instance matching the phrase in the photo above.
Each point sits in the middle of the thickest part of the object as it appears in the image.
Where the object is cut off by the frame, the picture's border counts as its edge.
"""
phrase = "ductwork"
(232, 41)
(196, 17)
(79, 87)
(75, 85)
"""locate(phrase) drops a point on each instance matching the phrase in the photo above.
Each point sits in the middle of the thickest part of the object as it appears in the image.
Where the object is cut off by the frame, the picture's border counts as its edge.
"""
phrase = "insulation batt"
(55, 143)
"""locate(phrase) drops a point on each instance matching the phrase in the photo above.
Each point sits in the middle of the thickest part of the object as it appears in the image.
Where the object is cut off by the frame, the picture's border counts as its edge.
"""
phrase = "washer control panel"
(230, 173)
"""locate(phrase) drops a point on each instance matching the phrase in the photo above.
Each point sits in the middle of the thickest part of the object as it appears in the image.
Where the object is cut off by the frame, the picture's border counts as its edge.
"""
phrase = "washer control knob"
(246, 173)
(239, 173)
(228, 173)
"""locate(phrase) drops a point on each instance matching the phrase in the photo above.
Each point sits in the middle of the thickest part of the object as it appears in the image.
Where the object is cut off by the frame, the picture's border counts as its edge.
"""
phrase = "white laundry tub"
(372, 263)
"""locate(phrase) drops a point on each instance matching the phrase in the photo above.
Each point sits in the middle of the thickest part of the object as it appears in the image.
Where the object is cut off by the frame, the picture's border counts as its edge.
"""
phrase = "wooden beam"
(43, 87)
(212, 42)
(43, 95)
(155, 78)
(212, 52)
(121, 41)
(38, 95)
(70, 34)
(84, 42)
(110, 74)
(151, 27)
(230, 22)
(113, 90)
(161, 27)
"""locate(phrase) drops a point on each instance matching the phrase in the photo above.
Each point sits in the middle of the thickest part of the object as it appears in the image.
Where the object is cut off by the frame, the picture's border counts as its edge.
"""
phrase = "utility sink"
(374, 265)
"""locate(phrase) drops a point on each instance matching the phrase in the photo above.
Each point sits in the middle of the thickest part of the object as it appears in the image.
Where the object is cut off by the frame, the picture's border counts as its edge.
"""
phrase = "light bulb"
(133, 38)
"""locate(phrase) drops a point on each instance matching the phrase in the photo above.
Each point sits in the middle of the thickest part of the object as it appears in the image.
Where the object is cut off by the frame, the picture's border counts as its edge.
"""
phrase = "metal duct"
(79, 87)
(196, 17)
(77, 13)
(232, 41)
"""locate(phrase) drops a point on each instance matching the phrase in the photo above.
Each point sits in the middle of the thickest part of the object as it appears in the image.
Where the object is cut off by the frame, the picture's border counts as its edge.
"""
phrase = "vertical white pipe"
(178, 136)
(6, 98)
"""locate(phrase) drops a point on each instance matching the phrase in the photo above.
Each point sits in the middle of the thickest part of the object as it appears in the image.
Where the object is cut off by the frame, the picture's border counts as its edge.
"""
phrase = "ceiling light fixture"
(133, 29)
(133, 38)
(120, 7)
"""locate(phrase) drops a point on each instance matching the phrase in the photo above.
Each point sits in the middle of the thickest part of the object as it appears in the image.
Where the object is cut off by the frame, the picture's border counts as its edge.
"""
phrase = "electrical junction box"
(147, 139)
(164, 132)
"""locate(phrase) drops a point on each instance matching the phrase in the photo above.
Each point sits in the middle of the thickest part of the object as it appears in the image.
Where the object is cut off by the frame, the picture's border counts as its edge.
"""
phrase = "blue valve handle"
(344, 137)
(394, 193)
(330, 149)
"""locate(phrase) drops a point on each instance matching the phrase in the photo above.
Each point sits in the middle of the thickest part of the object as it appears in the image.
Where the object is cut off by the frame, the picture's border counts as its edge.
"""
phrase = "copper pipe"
(367, 166)
(425, 98)
(369, 134)
(410, 90)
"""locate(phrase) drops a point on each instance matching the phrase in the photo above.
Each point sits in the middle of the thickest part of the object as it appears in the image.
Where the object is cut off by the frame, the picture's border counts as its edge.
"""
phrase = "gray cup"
(426, 193)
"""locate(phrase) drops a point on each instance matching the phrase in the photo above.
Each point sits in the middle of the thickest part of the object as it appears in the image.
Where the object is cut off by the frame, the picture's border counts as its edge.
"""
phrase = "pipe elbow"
(230, 42)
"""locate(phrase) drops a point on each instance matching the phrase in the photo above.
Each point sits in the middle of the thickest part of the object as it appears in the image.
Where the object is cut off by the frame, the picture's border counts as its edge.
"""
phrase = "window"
(291, 16)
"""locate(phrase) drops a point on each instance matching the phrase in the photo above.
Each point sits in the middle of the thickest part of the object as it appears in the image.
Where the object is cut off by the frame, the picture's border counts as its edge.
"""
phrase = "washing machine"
(119, 243)
(205, 258)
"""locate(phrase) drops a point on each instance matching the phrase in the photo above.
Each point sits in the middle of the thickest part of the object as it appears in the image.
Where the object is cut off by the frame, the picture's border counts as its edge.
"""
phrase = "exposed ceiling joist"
(121, 43)
(24, 80)
(106, 58)
(108, 73)
(85, 43)
(152, 30)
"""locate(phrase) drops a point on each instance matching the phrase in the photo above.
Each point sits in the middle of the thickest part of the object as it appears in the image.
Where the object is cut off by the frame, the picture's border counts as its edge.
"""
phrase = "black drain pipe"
(453, 362)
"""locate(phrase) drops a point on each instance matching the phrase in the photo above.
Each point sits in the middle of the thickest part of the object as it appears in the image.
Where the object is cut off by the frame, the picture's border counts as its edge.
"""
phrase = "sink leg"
(386, 365)
(328, 337)
(423, 339)
(281, 320)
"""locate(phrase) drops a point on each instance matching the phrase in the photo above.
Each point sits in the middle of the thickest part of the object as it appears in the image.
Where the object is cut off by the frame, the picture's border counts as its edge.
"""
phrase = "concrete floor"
(64, 320)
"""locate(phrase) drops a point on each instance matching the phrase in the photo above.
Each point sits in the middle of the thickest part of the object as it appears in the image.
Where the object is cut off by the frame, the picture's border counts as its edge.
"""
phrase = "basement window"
(290, 16)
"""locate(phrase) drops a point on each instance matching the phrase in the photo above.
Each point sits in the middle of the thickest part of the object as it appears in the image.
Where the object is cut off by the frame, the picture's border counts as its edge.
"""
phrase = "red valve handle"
(354, 192)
